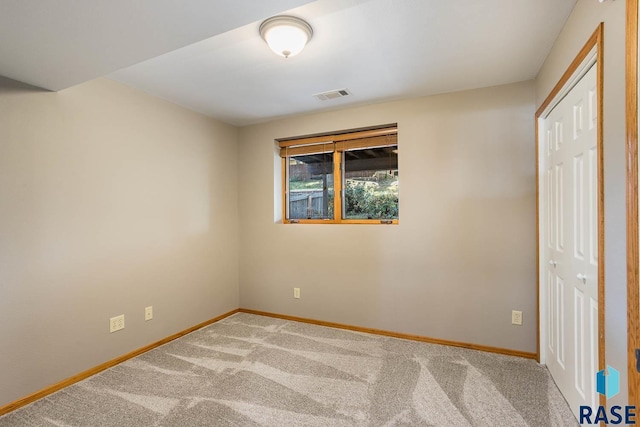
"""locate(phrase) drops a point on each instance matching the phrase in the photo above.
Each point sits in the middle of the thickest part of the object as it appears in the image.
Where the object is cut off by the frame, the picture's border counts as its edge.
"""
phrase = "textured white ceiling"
(378, 49)
(55, 44)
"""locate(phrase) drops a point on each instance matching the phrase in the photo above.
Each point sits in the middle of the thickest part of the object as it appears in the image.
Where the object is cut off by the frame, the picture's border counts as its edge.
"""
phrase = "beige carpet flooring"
(249, 370)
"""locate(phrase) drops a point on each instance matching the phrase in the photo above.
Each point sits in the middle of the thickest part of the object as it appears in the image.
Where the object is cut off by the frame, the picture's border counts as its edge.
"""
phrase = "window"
(341, 178)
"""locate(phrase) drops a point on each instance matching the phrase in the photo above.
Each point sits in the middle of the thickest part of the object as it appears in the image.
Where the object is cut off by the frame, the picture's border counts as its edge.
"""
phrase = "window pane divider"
(337, 186)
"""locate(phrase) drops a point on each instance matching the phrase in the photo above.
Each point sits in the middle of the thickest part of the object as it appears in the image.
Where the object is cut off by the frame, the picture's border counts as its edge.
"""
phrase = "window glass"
(310, 181)
(370, 183)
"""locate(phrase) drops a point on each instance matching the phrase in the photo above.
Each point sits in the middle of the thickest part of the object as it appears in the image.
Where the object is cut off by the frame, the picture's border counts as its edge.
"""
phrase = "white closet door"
(571, 242)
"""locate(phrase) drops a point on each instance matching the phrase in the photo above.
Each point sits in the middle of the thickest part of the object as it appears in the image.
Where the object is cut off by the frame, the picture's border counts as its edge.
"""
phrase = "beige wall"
(110, 201)
(581, 24)
(463, 255)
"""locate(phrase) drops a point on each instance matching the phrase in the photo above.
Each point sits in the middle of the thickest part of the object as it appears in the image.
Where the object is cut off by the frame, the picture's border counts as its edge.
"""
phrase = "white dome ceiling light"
(286, 35)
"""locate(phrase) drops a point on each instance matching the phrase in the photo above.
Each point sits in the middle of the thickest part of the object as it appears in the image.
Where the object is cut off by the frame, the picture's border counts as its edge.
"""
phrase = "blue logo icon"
(608, 383)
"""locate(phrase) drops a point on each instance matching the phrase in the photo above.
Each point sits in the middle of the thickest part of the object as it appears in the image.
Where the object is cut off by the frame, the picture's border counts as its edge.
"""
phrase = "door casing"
(633, 297)
(593, 47)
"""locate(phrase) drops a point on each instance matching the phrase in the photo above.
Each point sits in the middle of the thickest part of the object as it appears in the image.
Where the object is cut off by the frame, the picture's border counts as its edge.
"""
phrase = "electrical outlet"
(116, 323)
(516, 317)
(296, 292)
(148, 313)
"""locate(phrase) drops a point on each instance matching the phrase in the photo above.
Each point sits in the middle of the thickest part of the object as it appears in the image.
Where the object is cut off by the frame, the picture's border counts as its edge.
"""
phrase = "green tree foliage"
(365, 199)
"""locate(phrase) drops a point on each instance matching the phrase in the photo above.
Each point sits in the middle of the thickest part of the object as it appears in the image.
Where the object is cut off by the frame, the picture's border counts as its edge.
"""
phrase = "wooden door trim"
(595, 41)
(633, 340)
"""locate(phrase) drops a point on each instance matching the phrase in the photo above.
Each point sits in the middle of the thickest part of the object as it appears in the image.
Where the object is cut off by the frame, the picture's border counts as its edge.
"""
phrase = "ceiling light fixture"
(286, 35)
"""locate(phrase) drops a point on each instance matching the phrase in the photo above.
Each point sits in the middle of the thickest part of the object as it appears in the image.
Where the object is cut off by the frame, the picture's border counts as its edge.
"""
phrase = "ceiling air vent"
(332, 94)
